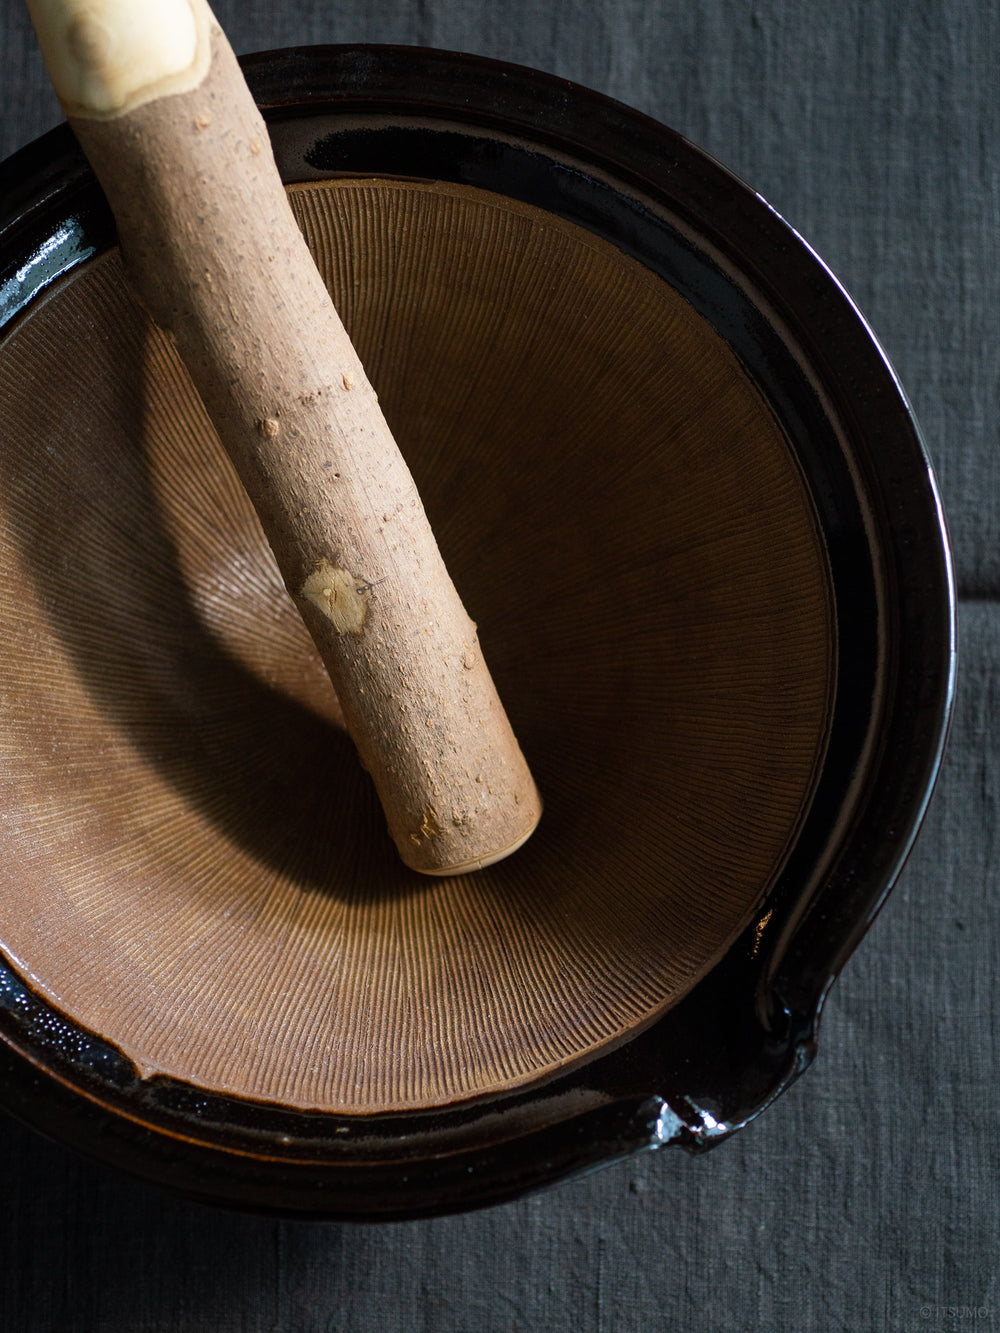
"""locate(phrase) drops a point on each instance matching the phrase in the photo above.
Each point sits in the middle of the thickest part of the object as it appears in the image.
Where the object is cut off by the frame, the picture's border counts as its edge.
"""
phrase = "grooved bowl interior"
(193, 864)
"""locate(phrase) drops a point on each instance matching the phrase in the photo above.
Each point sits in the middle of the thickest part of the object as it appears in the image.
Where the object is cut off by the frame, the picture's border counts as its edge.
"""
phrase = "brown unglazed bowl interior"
(193, 864)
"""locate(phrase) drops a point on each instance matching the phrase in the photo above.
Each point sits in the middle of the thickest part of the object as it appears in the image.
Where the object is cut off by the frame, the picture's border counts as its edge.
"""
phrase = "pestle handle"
(156, 98)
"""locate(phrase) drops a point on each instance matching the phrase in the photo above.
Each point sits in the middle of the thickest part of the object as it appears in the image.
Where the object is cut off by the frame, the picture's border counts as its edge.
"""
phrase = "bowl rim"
(766, 998)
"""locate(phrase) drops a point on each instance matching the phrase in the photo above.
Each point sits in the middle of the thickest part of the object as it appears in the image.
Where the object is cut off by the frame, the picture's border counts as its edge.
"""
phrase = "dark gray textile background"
(866, 1197)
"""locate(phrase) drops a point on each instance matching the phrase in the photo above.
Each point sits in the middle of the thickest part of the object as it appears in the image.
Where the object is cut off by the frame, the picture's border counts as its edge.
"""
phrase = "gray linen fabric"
(866, 1197)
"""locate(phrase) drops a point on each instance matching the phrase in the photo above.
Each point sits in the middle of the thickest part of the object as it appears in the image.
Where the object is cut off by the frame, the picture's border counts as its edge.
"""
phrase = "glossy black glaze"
(718, 1058)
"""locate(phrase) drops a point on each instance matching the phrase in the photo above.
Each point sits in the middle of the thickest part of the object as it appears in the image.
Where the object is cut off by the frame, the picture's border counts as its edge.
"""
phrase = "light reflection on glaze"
(60, 252)
(700, 1125)
(668, 1129)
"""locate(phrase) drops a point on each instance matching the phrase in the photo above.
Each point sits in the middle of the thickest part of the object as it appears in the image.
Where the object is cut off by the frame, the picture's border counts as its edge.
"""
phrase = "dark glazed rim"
(743, 1034)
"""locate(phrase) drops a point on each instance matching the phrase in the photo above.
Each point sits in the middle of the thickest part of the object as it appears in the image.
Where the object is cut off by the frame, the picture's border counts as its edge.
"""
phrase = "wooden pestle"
(156, 98)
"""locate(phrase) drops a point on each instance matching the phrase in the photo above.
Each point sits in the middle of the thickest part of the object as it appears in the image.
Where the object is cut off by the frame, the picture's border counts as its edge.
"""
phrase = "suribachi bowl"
(679, 489)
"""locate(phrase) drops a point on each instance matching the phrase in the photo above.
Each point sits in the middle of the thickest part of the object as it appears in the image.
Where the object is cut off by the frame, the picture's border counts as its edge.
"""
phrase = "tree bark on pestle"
(212, 249)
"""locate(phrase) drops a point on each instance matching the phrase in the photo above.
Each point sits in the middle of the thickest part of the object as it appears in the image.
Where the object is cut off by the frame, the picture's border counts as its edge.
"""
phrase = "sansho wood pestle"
(154, 94)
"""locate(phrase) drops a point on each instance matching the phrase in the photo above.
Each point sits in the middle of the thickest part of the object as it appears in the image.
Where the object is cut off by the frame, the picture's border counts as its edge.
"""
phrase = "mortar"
(681, 492)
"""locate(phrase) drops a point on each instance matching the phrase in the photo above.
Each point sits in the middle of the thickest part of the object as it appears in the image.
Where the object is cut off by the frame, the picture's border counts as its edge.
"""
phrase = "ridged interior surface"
(193, 864)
